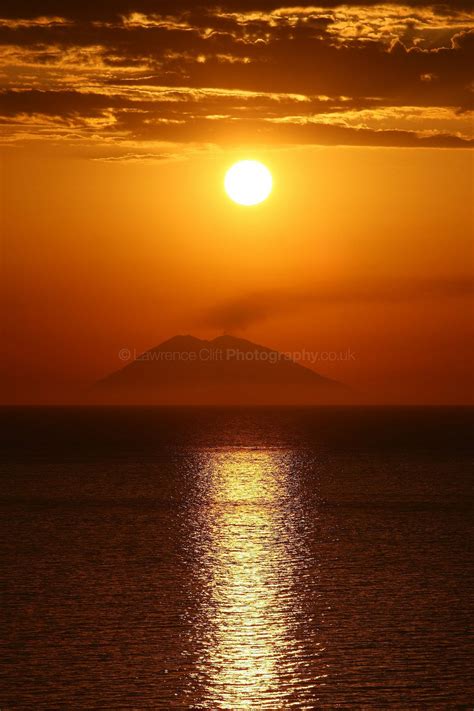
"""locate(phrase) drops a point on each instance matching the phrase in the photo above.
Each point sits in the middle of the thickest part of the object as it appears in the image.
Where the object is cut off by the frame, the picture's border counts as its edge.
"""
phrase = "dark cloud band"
(288, 74)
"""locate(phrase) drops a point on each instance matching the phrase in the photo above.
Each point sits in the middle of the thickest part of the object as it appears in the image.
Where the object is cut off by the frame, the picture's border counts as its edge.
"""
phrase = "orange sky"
(117, 233)
(365, 249)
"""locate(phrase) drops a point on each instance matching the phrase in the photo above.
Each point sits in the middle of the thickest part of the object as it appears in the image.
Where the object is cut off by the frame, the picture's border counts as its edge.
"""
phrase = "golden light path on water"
(255, 653)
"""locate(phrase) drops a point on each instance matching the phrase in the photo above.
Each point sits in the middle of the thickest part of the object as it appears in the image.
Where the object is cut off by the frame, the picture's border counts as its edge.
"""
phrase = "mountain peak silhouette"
(180, 342)
(228, 341)
(185, 370)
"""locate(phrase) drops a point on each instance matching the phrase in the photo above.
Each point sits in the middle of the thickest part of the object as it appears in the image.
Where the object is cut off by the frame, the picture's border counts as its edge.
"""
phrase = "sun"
(248, 182)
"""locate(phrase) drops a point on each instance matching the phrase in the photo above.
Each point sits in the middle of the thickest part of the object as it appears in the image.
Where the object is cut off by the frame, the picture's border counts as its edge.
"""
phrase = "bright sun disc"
(248, 182)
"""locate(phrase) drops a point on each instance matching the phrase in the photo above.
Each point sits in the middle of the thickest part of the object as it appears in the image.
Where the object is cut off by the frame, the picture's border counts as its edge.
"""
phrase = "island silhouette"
(186, 370)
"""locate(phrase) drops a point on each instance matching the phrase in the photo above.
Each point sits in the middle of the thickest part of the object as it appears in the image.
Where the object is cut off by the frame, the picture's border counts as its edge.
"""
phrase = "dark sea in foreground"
(236, 558)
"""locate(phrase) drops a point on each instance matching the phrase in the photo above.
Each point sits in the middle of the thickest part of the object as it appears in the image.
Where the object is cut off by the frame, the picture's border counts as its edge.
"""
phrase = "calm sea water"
(236, 559)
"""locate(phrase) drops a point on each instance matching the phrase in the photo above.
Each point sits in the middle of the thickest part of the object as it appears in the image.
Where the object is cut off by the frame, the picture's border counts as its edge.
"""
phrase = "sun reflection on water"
(249, 559)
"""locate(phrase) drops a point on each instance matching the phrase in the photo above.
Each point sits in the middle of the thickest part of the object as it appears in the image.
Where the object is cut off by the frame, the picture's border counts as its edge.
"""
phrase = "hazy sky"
(117, 127)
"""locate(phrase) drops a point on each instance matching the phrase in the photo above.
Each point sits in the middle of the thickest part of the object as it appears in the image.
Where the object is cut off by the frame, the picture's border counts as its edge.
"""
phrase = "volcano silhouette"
(185, 370)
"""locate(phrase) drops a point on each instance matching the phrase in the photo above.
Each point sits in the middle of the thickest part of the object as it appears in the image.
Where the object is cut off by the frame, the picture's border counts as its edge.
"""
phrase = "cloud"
(141, 158)
(256, 307)
(186, 115)
(206, 72)
(89, 9)
(19, 23)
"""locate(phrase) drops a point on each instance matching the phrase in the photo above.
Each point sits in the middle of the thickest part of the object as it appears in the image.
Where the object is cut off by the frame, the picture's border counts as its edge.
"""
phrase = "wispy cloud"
(259, 306)
(141, 158)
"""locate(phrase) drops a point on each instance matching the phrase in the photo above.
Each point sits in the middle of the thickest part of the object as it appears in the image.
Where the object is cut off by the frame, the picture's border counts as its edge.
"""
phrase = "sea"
(236, 558)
